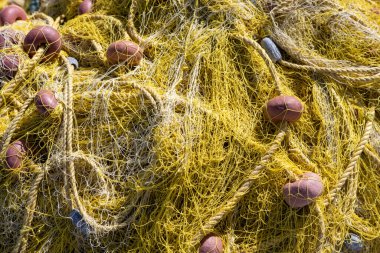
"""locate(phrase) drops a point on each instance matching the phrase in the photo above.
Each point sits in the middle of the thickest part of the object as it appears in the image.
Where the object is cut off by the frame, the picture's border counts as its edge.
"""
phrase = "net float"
(283, 108)
(9, 66)
(11, 14)
(34, 6)
(43, 36)
(77, 220)
(45, 101)
(85, 7)
(15, 154)
(124, 51)
(304, 191)
(73, 62)
(211, 243)
(354, 243)
(9, 37)
(271, 49)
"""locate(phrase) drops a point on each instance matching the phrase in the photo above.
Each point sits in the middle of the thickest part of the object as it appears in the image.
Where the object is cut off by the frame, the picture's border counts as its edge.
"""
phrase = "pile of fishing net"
(186, 126)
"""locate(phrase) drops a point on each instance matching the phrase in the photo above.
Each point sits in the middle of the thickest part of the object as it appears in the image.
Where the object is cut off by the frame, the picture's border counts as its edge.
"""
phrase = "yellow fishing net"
(153, 158)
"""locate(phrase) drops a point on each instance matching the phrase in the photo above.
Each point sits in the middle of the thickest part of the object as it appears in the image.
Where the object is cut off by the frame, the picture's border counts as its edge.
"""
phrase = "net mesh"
(152, 158)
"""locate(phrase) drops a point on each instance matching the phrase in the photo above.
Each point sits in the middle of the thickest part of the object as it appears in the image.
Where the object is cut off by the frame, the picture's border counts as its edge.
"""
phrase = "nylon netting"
(153, 157)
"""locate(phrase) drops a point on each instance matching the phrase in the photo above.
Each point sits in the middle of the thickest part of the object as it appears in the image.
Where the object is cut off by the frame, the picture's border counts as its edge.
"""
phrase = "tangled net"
(152, 158)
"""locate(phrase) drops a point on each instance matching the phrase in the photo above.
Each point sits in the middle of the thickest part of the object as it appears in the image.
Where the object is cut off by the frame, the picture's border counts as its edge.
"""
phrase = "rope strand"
(243, 189)
(30, 208)
(7, 136)
(354, 158)
(14, 85)
(267, 61)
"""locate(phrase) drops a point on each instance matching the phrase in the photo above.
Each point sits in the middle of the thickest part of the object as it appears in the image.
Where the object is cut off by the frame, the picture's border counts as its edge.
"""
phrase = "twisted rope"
(131, 29)
(322, 229)
(335, 72)
(63, 135)
(282, 5)
(92, 163)
(13, 85)
(328, 70)
(244, 188)
(33, 191)
(98, 48)
(7, 136)
(288, 6)
(361, 80)
(372, 155)
(40, 15)
(352, 188)
(109, 19)
(70, 162)
(15, 102)
(286, 43)
(267, 60)
(354, 158)
(302, 157)
(57, 22)
(30, 207)
(149, 93)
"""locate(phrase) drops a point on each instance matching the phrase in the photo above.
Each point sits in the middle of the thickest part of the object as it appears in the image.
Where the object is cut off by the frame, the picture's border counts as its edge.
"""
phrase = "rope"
(286, 43)
(333, 72)
(63, 135)
(328, 70)
(74, 52)
(131, 29)
(30, 208)
(372, 155)
(282, 5)
(288, 6)
(13, 85)
(108, 19)
(352, 188)
(66, 124)
(302, 157)
(267, 61)
(15, 102)
(7, 136)
(364, 79)
(98, 48)
(150, 93)
(244, 188)
(92, 163)
(57, 22)
(354, 158)
(70, 163)
(40, 15)
(322, 229)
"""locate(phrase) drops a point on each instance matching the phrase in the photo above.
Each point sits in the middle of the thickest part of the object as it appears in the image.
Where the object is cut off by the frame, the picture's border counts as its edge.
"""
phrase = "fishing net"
(154, 157)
